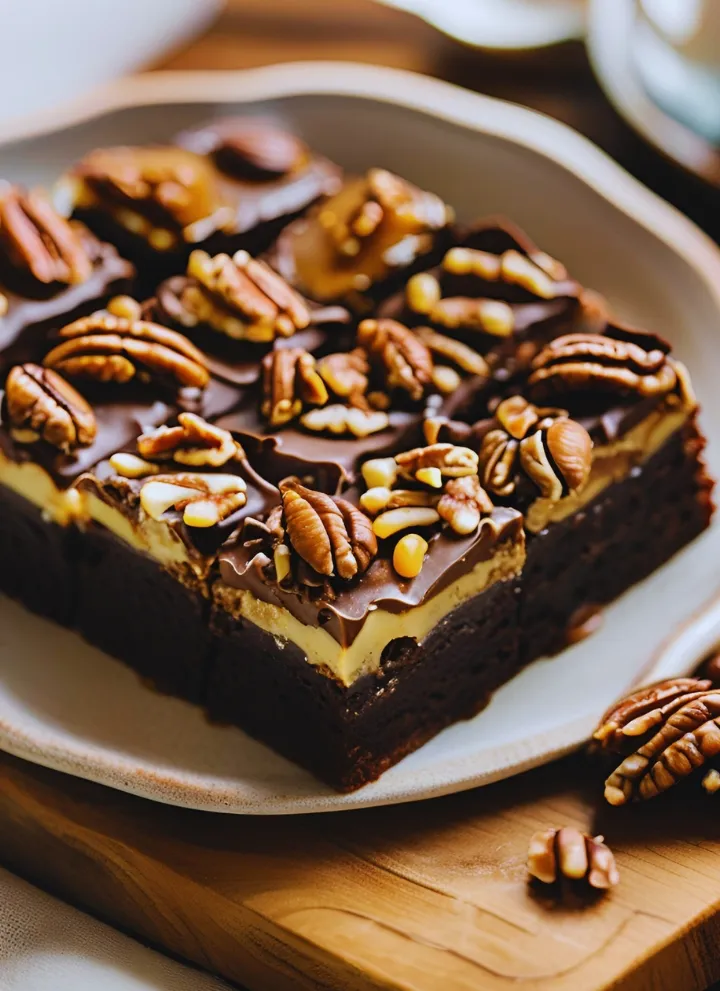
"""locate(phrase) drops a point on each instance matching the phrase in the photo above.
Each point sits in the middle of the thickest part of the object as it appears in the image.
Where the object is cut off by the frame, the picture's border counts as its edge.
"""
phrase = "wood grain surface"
(429, 896)
(425, 896)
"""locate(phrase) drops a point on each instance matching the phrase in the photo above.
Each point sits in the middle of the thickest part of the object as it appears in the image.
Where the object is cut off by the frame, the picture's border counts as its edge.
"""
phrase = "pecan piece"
(345, 373)
(685, 737)
(566, 853)
(330, 534)
(204, 500)
(42, 402)
(536, 273)
(406, 360)
(463, 502)
(593, 361)
(241, 297)
(115, 349)
(492, 316)
(193, 442)
(337, 419)
(466, 358)
(290, 379)
(450, 460)
(38, 239)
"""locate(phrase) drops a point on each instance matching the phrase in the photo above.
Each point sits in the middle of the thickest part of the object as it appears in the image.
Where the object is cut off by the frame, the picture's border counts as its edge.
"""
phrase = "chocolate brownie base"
(627, 532)
(350, 736)
(134, 610)
(37, 563)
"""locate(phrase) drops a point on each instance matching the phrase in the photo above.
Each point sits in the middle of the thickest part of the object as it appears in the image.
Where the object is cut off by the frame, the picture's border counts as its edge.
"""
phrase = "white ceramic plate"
(65, 705)
(512, 25)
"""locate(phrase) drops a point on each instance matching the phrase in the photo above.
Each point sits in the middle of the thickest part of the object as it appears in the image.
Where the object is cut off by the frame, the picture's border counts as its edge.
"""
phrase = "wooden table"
(430, 895)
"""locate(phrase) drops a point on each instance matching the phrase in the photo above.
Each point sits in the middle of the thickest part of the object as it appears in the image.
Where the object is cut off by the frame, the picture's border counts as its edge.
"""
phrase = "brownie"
(228, 185)
(339, 536)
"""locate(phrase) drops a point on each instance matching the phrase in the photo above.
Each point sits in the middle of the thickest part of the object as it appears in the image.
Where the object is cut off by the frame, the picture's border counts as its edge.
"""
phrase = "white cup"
(677, 48)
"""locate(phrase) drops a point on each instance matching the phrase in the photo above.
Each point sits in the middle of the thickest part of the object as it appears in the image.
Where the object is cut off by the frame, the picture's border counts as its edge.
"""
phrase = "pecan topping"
(330, 534)
(258, 151)
(554, 451)
(679, 737)
(463, 503)
(114, 349)
(35, 237)
(593, 361)
(169, 188)
(241, 297)
(394, 205)
(466, 358)
(42, 402)
(406, 360)
(290, 379)
(204, 500)
(449, 460)
(534, 274)
(555, 854)
(337, 419)
(193, 442)
(345, 373)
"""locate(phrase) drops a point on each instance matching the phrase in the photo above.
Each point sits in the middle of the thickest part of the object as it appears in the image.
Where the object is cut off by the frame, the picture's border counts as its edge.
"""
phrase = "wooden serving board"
(425, 896)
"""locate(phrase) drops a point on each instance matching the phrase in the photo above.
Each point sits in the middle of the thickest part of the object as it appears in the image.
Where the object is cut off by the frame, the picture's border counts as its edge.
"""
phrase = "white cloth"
(45, 945)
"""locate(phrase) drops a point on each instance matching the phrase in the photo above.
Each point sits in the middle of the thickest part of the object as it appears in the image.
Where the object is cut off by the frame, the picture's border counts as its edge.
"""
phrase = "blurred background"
(641, 78)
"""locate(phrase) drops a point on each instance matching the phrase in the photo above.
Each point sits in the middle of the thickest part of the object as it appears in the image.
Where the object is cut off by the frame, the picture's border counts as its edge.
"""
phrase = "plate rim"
(527, 128)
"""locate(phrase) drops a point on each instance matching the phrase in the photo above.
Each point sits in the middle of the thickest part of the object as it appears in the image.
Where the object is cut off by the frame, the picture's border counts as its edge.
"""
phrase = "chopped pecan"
(204, 500)
(42, 402)
(633, 718)
(449, 459)
(241, 297)
(463, 502)
(681, 737)
(594, 361)
(167, 187)
(337, 419)
(555, 854)
(330, 534)
(554, 451)
(114, 349)
(492, 316)
(193, 442)
(406, 360)
(35, 237)
(466, 358)
(256, 150)
(345, 373)
(290, 380)
(534, 274)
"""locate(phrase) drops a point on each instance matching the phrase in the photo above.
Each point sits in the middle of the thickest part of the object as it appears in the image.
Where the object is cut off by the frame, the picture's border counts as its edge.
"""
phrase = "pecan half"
(115, 349)
(42, 402)
(35, 237)
(536, 274)
(406, 360)
(241, 297)
(204, 500)
(449, 460)
(167, 187)
(633, 718)
(554, 451)
(593, 361)
(687, 736)
(567, 853)
(290, 380)
(330, 534)
(193, 442)
(463, 502)
(491, 316)
(256, 150)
